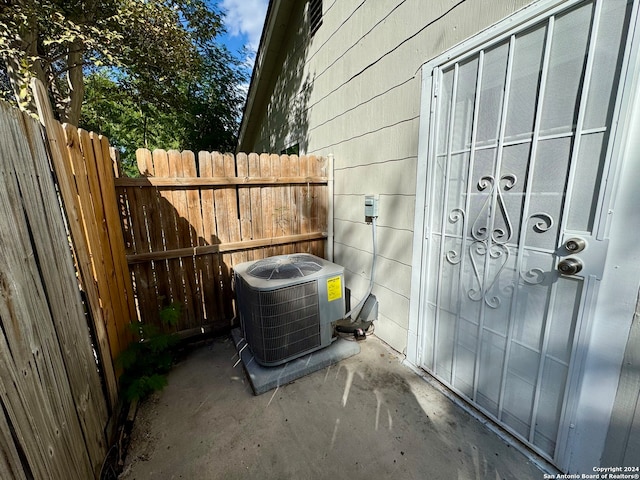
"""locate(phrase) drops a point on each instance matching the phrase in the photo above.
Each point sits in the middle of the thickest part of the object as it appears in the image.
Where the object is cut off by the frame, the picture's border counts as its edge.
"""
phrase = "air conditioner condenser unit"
(288, 304)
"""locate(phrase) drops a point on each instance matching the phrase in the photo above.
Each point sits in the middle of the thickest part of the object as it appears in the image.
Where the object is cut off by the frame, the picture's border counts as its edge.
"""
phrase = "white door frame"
(605, 326)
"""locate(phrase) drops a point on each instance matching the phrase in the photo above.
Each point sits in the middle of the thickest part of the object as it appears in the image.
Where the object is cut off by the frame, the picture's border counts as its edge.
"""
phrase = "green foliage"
(128, 122)
(147, 361)
(145, 385)
(171, 314)
(202, 115)
(154, 68)
(200, 112)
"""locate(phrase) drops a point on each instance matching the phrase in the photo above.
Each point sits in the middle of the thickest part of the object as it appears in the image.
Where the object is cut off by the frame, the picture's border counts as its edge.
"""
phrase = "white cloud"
(245, 18)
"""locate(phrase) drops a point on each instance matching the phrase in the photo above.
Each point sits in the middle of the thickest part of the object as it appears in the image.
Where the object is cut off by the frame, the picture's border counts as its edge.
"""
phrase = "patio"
(365, 417)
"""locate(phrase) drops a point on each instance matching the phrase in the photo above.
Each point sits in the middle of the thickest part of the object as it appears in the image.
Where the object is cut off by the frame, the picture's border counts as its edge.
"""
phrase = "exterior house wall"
(353, 90)
(623, 440)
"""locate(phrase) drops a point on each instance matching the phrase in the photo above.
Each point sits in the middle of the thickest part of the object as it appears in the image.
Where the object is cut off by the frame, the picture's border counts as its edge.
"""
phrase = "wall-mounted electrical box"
(371, 206)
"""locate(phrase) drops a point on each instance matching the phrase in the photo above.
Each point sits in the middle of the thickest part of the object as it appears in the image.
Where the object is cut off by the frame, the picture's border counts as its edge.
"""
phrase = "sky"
(244, 20)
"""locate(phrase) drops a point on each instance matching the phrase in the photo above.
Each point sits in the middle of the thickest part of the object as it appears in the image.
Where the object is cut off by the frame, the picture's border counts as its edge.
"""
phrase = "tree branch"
(75, 79)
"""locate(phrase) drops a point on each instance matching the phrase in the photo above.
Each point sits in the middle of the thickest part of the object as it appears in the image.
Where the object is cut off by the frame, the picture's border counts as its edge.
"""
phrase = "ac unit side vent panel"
(282, 323)
(287, 305)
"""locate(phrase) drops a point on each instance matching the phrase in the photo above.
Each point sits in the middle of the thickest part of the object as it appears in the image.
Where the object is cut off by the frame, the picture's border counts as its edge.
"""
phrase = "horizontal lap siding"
(358, 95)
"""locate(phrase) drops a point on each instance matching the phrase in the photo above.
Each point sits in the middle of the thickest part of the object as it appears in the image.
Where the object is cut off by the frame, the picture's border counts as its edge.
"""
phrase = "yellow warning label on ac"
(334, 288)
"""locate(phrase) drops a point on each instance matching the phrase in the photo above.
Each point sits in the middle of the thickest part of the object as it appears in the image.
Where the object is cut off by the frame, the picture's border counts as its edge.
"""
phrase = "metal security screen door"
(519, 142)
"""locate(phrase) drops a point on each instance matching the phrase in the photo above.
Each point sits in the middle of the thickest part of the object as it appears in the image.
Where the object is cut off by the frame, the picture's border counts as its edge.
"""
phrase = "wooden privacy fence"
(176, 232)
(53, 409)
(84, 171)
(189, 220)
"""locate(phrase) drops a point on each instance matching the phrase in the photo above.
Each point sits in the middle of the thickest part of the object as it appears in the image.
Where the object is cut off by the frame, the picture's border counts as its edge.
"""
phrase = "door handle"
(575, 245)
(570, 266)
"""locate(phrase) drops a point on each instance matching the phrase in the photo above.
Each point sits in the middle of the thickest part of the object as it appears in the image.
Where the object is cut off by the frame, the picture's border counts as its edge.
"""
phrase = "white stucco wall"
(353, 90)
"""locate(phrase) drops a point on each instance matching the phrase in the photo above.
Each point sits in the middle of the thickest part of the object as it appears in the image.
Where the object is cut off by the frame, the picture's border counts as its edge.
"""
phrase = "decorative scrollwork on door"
(497, 256)
(535, 276)
(486, 217)
(487, 250)
(453, 256)
(489, 246)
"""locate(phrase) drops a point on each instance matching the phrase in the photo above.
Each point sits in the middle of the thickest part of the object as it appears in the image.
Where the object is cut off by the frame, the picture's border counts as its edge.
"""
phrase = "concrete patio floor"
(368, 417)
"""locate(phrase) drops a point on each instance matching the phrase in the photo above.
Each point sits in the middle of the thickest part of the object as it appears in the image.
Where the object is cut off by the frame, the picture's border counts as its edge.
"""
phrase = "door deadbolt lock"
(575, 245)
(570, 266)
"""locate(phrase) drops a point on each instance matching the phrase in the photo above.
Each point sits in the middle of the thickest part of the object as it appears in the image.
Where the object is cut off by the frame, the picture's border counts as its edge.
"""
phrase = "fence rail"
(178, 182)
(190, 219)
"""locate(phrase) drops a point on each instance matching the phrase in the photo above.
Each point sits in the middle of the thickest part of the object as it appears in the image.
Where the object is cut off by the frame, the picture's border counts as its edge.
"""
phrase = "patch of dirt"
(141, 434)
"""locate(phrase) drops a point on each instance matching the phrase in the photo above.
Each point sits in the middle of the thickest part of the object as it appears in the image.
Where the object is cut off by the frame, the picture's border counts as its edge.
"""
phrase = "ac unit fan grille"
(282, 323)
(285, 267)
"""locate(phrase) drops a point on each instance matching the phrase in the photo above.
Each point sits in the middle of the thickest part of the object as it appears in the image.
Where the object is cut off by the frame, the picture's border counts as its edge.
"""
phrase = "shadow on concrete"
(366, 417)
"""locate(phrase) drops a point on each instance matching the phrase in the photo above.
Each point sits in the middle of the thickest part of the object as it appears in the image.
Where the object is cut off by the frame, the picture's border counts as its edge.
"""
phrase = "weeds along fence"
(54, 410)
(187, 221)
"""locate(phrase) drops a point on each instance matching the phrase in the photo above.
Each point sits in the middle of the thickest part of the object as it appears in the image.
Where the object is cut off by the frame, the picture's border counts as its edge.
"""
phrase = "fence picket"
(109, 283)
(138, 203)
(318, 208)
(244, 203)
(212, 278)
(257, 229)
(267, 201)
(93, 233)
(114, 233)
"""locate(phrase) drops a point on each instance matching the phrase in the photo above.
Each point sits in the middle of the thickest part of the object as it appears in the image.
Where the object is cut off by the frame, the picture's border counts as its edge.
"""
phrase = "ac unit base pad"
(263, 379)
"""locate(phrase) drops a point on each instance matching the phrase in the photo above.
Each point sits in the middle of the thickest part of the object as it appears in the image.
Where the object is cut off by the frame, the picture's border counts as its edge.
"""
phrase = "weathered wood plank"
(145, 224)
(186, 236)
(222, 234)
(211, 272)
(268, 205)
(48, 380)
(93, 233)
(244, 196)
(287, 207)
(318, 166)
(114, 233)
(279, 212)
(225, 166)
(10, 463)
(244, 206)
(196, 222)
(108, 283)
(173, 289)
(305, 201)
(255, 203)
(66, 305)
